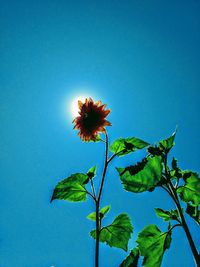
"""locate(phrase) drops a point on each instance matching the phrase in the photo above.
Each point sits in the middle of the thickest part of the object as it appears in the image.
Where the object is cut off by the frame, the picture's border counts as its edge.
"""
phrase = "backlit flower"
(92, 119)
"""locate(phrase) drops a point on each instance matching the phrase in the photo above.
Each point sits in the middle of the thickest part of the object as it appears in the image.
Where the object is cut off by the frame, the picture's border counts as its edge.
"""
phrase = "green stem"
(104, 169)
(176, 225)
(98, 202)
(185, 227)
(93, 189)
(97, 236)
(174, 196)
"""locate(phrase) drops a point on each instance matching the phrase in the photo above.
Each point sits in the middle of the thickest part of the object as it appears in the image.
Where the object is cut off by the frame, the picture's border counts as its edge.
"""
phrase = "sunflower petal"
(80, 104)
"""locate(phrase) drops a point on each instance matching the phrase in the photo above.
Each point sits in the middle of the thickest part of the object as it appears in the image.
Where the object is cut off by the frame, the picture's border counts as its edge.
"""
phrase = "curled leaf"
(143, 176)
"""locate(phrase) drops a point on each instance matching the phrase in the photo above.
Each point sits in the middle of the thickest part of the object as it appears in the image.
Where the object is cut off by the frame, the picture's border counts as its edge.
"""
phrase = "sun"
(74, 105)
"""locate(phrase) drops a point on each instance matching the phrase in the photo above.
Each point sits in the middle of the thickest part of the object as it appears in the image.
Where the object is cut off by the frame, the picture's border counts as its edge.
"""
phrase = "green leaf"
(125, 146)
(190, 192)
(167, 215)
(143, 176)
(71, 188)
(168, 143)
(116, 234)
(152, 244)
(193, 211)
(176, 172)
(92, 172)
(132, 259)
(92, 216)
(102, 213)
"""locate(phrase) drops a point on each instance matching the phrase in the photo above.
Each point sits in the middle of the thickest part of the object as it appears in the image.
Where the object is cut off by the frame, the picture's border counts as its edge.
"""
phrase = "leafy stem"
(93, 196)
(98, 198)
(185, 227)
(114, 155)
(175, 225)
(97, 195)
(104, 169)
(171, 189)
(97, 235)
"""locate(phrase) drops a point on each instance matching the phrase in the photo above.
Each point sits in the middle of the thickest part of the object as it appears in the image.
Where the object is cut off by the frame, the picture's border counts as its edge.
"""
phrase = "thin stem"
(171, 195)
(169, 191)
(105, 168)
(98, 198)
(176, 225)
(185, 227)
(98, 223)
(166, 189)
(176, 184)
(97, 235)
(93, 189)
(89, 194)
(167, 175)
(114, 155)
(102, 140)
(174, 196)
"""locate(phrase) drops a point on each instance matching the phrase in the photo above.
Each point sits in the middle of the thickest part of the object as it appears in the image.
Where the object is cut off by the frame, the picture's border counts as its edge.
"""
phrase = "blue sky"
(142, 59)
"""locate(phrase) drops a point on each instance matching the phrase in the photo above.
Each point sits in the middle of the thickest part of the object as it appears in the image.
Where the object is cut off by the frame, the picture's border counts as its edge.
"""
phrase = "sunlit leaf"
(92, 172)
(92, 216)
(125, 146)
(152, 244)
(194, 212)
(168, 143)
(118, 233)
(104, 210)
(132, 259)
(143, 176)
(71, 188)
(102, 213)
(190, 192)
(167, 215)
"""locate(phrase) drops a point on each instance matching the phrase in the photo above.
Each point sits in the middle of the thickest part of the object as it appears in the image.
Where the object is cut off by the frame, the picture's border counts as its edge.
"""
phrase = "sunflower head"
(91, 119)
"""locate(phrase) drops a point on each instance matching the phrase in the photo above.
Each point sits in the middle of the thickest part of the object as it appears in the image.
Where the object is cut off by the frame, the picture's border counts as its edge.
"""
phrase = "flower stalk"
(98, 199)
(97, 235)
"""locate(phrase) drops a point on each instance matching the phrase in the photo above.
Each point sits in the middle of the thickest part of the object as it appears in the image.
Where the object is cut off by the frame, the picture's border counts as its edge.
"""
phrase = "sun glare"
(74, 105)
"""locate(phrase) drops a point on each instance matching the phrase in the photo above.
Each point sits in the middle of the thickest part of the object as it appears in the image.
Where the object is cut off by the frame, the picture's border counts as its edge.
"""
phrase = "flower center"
(92, 120)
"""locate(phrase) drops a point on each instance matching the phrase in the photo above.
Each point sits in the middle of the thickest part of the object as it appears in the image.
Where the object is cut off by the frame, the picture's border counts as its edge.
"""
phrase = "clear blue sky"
(142, 59)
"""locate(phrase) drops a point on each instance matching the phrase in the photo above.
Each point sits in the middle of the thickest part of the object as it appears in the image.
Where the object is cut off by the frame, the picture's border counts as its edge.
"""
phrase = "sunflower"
(92, 119)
